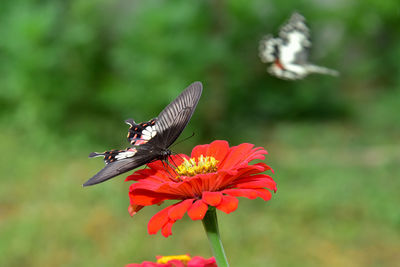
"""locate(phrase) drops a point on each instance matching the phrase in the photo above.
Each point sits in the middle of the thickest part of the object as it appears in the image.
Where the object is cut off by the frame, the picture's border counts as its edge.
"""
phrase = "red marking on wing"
(140, 142)
(279, 64)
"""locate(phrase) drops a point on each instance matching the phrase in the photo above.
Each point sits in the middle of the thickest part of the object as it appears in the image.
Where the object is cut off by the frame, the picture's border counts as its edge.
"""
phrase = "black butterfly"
(150, 140)
(288, 53)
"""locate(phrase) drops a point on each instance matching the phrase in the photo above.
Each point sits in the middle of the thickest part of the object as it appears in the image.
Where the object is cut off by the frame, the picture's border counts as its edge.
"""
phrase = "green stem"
(210, 224)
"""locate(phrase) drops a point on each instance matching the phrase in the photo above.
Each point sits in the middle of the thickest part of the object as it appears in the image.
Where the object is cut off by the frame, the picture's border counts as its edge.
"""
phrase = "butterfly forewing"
(296, 26)
(174, 117)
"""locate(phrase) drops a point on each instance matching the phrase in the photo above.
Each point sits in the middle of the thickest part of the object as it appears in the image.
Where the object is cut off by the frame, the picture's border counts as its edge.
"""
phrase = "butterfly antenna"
(183, 140)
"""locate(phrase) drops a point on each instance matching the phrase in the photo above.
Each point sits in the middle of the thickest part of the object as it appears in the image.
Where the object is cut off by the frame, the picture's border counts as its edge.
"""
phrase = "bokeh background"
(72, 71)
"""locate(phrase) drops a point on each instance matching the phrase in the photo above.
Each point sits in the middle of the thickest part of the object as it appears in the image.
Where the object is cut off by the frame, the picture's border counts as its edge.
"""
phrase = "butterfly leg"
(166, 166)
(172, 166)
(173, 162)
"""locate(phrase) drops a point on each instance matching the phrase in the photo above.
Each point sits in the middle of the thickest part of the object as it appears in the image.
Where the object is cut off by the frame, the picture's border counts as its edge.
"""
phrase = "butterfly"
(288, 53)
(150, 140)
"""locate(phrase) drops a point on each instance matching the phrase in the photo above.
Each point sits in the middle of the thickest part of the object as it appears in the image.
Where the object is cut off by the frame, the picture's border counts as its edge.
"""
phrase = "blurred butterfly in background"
(288, 53)
(150, 140)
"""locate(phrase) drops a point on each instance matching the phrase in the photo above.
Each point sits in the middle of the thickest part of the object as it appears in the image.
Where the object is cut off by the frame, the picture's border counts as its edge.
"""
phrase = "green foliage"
(72, 69)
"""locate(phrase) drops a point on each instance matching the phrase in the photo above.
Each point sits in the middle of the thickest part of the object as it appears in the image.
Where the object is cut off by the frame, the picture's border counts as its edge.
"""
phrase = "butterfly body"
(288, 53)
(150, 140)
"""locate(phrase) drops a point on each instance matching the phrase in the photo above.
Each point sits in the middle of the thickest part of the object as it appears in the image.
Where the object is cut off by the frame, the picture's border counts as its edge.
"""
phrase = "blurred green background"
(72, 71)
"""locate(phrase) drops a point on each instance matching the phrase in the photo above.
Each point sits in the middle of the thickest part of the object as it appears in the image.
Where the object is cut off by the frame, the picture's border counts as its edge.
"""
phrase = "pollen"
(165, 259)
(192, 167)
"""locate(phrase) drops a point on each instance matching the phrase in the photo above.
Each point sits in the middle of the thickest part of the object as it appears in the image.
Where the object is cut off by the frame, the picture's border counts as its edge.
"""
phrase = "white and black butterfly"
(150, 140)
(288, 53)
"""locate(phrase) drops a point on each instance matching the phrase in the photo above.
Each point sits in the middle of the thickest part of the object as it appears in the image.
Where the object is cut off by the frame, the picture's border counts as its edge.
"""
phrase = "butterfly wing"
(118, 162)
(269, 49)
(139, 134)
(296, 43)
(174, 117)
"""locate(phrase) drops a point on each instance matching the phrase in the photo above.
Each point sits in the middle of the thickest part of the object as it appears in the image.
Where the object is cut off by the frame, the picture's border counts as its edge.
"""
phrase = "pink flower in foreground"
(177, 261)
(215, 175)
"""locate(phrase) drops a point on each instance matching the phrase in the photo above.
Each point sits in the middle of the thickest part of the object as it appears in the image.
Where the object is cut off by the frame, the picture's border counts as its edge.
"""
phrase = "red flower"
(215, 175)
(177, 261)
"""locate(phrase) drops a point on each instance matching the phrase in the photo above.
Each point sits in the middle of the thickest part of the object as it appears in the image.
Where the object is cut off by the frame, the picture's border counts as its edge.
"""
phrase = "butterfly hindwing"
(139, 134)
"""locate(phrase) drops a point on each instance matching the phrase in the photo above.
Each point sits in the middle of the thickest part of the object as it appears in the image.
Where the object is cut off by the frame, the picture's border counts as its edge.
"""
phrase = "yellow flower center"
(165, 259)
(192, 167)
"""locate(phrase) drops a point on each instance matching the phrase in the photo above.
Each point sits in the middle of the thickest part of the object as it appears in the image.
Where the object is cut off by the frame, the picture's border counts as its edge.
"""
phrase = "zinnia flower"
(215, 175)
(177, 261)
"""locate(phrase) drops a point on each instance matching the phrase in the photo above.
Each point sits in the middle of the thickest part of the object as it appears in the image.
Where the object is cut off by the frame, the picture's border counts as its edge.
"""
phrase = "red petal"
(249, 193)
(144, 200)
(228, 204)
(212, 198)
(178, 210)
(236, 155)
(145, 197)
(265, 166)
(264, 194)
(166, 229)
(140, 174)
(133, 209)
(199, 150)
(173, 263)
(198, 210)
(158, 220)
(154, 174)
(198, 261)
(157, 165)
(257, 184)
(143, 264)
(218, 149)
(256, 153)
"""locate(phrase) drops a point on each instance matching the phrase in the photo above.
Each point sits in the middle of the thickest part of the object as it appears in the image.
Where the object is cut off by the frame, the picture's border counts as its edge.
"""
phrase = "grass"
(336, 205)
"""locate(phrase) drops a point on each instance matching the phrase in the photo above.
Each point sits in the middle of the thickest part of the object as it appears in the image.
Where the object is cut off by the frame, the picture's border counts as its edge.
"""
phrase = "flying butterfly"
(150, 141)
(289, 52)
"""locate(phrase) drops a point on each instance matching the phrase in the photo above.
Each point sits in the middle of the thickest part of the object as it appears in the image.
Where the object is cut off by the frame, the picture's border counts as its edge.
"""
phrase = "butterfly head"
(165, 153)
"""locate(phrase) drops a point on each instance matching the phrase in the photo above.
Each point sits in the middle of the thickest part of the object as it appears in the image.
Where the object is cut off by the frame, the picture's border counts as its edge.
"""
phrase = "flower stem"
(210, 224)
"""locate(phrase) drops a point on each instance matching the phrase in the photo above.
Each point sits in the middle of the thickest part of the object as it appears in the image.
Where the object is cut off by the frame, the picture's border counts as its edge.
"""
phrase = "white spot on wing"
(126, 154)
(288, 52)
(153, 133)
(267, 49)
